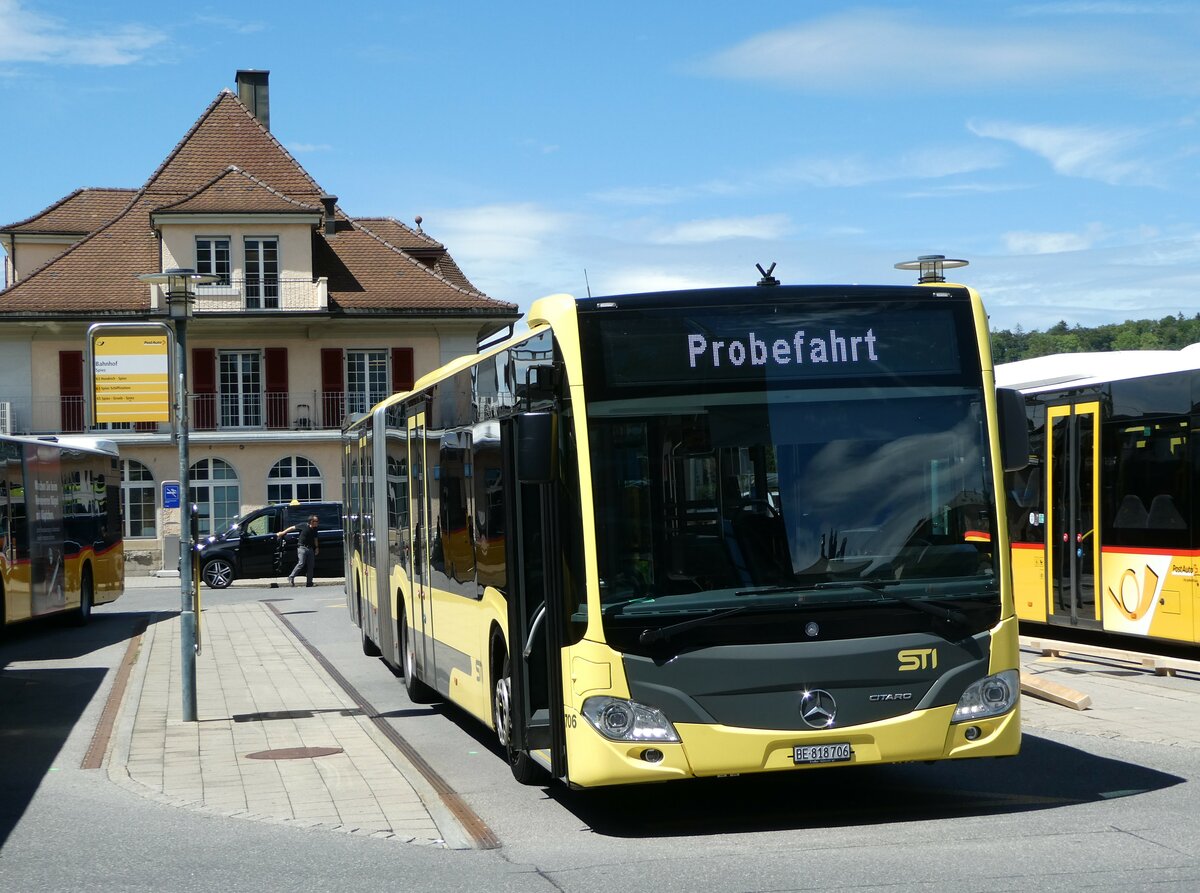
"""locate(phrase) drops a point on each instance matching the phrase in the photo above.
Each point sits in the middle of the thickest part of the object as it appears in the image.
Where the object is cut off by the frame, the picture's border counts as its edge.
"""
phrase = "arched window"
(294, 478)
(214, 487)
(138, 499)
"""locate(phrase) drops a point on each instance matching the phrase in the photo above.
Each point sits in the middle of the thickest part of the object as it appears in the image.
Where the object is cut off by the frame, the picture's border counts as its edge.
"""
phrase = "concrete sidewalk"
(277, 740)
(1127, 701)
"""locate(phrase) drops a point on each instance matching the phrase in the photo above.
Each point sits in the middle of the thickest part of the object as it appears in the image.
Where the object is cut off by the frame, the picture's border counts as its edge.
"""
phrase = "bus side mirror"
(537, 447)
(1014, 429)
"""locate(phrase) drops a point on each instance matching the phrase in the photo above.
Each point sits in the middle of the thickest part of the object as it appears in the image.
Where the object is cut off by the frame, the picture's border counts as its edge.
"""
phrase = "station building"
(309, 317)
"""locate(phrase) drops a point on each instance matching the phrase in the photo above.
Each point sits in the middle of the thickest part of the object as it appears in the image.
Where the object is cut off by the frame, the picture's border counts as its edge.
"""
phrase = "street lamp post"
(180, 305)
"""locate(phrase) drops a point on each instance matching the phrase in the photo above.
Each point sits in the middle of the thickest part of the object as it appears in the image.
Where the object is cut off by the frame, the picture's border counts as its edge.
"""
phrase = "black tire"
(87, 598)
(524, 768)
(418, 691)
(217, 573)
(369, 648)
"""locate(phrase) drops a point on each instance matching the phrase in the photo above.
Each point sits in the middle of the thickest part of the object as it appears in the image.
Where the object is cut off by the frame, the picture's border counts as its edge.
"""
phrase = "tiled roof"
(228, 162)
(78, 213)
(227, 134)
(396, 233)
(96, 275)
(235, 191)
(367, 274)
(418, 244)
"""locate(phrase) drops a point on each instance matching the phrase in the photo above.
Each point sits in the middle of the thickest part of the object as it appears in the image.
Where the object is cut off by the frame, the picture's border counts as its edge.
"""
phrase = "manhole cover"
(293, 753)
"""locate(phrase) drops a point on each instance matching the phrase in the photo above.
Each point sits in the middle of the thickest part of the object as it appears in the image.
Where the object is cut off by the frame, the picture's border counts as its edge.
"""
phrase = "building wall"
(295, 245)
(31, 255)
(16, 377)
(251, 461)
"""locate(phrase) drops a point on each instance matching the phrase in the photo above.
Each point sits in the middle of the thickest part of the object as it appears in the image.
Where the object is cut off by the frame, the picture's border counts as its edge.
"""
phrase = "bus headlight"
(623, 720)
(990, 696)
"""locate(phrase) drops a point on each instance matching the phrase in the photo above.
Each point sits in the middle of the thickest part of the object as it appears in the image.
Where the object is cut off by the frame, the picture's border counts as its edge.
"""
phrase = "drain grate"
(293, 753)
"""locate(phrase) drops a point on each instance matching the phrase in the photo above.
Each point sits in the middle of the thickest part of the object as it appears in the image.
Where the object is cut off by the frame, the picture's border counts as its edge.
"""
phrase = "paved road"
(1094, 802)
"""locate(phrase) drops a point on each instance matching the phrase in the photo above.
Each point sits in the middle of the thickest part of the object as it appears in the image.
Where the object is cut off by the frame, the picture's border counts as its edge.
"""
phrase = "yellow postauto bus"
(702, 533)
(1104, 521)
(61, 544)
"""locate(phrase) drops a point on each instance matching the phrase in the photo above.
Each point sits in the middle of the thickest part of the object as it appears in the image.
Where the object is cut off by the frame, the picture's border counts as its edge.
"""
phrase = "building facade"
(310, 317)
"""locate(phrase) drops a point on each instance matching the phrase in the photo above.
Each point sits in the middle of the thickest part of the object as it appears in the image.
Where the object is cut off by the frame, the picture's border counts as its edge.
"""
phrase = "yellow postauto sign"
(133, 379)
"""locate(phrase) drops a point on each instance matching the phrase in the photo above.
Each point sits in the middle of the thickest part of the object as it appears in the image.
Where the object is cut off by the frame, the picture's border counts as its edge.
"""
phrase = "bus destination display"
(730, 345)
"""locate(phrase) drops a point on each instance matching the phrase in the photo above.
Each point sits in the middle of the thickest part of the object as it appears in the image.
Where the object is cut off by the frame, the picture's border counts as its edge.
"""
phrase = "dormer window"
(262, 273)
(212, 258)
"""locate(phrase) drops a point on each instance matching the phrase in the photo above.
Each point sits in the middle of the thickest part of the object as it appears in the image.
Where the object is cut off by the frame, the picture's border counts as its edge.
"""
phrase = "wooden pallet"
(1158, 664)
(1046, 690)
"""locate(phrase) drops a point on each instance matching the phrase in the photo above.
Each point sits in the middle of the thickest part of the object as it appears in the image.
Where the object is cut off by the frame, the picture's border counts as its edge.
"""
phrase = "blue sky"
(1054, 145)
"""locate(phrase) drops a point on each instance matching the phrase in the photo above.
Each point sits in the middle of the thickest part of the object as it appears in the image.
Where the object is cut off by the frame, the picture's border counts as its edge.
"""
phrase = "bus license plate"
(821, 753)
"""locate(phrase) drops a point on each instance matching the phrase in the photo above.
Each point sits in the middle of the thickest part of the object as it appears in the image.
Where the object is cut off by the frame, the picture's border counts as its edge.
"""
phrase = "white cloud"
(958, 190)
(1094, 153)
(1050, 243)
(922, 164)
(633, 280)
(881, 50)
(229, 23)
(302, 148)
(848, 171)
(27, 36)
(498, 233)
(718, 229)
(668, 195)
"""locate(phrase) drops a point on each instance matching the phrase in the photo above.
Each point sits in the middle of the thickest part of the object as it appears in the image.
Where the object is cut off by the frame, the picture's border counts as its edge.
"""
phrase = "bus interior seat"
(760, 540)
(1131, 513)
(1163, 514)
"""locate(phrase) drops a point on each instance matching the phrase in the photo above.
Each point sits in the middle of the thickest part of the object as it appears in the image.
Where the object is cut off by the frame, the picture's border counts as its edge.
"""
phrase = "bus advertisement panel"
(61, 546)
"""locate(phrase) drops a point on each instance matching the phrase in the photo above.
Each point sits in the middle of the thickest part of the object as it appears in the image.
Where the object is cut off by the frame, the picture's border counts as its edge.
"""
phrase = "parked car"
(251, 548)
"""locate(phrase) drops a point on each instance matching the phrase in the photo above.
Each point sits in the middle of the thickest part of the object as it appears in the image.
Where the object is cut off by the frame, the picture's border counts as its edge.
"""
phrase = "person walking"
(307, 547)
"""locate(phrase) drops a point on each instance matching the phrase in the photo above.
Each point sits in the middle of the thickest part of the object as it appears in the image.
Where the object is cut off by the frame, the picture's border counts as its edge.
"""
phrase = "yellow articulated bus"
(1104, 521)
(702, 533)
(61, 545)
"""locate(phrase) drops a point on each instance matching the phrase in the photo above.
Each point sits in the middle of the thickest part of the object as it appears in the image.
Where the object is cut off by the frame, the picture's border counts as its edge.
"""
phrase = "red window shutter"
(204, 388)
(70, 390)
(333, 387)
(402, 369)
(277, 386)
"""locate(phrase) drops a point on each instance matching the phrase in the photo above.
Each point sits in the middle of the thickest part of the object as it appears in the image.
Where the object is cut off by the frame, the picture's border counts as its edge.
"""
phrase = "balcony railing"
(262, 293)
(269, 411)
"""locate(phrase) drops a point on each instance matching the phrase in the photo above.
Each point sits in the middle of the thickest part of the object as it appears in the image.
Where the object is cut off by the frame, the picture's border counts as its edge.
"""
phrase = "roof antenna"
(931, 267)
(767, 278)
(585, 282)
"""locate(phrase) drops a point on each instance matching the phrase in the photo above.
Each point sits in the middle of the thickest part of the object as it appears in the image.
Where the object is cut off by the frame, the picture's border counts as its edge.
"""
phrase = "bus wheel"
(370, 649)
(524, 769)
(87, 598)
(418, 691)
(218, 573)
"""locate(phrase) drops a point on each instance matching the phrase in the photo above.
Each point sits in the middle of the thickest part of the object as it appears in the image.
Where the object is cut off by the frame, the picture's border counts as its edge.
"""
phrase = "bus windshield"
(826, 498)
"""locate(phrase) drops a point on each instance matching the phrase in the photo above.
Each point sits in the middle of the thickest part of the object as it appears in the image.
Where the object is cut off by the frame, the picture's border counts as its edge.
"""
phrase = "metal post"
(187, 613)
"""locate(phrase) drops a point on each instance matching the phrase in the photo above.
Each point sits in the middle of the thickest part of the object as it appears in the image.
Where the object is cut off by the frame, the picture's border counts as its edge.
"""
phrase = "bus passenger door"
(535, 615)
(422, 619)
(1073, 525)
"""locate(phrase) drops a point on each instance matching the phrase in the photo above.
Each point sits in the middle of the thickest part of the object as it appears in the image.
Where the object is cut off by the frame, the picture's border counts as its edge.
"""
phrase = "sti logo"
(917, 659)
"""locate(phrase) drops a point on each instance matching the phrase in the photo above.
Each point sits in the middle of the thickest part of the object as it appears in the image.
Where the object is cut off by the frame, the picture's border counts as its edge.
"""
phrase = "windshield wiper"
(665, 633)
(951, 615)
(883, 587)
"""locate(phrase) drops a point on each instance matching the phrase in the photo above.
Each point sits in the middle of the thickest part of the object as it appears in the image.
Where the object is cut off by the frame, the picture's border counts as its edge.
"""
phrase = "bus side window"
(489, 507)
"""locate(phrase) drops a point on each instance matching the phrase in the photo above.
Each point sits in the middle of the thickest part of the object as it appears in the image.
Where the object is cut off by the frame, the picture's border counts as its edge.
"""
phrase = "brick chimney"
(252, 90)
